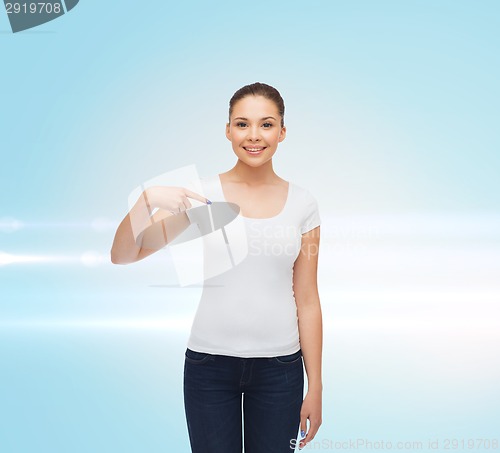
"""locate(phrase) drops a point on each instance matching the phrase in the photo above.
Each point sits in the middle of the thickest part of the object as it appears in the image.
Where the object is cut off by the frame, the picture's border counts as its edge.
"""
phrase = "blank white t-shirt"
(250, 310)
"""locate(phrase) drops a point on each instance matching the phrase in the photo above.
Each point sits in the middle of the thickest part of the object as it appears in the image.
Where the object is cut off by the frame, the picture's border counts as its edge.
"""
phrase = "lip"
(254, 153)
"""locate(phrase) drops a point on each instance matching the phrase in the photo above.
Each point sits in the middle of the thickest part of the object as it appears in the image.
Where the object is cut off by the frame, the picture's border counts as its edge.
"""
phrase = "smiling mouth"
(256, 150)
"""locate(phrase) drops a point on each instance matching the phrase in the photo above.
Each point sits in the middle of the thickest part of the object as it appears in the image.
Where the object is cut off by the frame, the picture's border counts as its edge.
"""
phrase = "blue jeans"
(268, 390)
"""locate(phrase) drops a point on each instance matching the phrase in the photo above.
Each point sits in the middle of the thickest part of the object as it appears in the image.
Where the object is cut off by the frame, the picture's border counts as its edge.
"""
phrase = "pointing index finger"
(196, 196)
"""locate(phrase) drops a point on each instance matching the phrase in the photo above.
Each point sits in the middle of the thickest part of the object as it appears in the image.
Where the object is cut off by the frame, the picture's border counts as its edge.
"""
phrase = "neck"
(253, 176)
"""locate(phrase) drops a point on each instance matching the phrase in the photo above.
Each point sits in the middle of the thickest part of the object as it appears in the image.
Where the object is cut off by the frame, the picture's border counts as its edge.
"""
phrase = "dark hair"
(259, 89)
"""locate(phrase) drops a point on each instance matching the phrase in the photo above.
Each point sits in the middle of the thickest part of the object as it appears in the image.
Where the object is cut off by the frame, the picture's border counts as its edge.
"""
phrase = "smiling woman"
(260, 322)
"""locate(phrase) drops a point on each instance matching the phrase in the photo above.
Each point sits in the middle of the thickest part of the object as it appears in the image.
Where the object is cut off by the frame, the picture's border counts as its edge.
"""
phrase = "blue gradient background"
(392, 111)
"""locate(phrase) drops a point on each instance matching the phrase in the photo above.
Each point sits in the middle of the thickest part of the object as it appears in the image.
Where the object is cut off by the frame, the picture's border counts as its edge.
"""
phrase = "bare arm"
(140, 235)
(310, 329)
(127, 250)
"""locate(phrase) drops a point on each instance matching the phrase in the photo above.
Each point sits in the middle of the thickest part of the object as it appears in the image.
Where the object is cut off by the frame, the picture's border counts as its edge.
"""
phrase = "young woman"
(260, 322)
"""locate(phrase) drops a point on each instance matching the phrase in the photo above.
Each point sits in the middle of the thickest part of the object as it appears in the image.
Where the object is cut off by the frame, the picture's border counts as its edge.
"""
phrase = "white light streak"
(92, 259)
(10, 225)
(178, 324)
(89, 259)
(7, 258)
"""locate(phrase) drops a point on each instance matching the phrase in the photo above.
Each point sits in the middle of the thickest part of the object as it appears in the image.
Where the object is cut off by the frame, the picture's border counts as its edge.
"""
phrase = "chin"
(254, 164)
(252, 160)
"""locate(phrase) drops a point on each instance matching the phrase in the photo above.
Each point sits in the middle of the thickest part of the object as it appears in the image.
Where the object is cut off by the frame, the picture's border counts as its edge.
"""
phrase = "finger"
(303, 430)
(309, 437)
(306, 440)
(194, 195)
(313, 429)
(303, 426)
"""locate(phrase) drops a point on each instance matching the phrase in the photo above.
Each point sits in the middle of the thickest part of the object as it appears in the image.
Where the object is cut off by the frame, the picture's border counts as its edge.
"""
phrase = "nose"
(254, 133)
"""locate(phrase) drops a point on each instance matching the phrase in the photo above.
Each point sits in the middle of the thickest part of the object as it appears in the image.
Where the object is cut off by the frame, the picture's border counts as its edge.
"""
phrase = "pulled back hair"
(259, 89)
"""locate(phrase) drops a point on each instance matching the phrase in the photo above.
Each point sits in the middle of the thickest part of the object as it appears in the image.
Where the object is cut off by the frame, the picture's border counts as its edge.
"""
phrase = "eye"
(240, 123)
(270, 125)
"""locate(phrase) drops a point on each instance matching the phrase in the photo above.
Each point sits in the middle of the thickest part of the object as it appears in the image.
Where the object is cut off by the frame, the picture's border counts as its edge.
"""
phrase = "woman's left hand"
(311, 409)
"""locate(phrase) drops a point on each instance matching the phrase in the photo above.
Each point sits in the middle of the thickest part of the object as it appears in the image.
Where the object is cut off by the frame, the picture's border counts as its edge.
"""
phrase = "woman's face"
(255, 130)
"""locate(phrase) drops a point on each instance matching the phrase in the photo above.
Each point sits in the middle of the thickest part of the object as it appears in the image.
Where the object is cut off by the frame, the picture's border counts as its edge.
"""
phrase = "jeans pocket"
(196, 357)
(289, 359)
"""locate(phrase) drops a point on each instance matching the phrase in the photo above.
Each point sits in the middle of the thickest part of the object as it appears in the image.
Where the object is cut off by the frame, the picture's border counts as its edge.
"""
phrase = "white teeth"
(254, 149)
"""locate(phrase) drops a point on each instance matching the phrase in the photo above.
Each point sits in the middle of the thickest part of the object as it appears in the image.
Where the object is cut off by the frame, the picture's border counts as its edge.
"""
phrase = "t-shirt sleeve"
(311, 214)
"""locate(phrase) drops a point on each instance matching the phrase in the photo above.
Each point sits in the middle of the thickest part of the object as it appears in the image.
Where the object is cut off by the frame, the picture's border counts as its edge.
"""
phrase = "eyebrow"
(262, 119)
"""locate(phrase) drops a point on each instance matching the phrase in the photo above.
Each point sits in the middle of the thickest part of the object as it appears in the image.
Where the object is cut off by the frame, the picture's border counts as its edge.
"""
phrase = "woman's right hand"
(172, 199)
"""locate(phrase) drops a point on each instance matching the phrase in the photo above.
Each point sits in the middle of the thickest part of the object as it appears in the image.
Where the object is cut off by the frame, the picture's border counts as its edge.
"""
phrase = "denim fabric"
(266, 391)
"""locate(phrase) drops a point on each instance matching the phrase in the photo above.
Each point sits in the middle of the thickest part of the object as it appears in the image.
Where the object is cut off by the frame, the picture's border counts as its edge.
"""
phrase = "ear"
(282, 134)
(228, 136)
